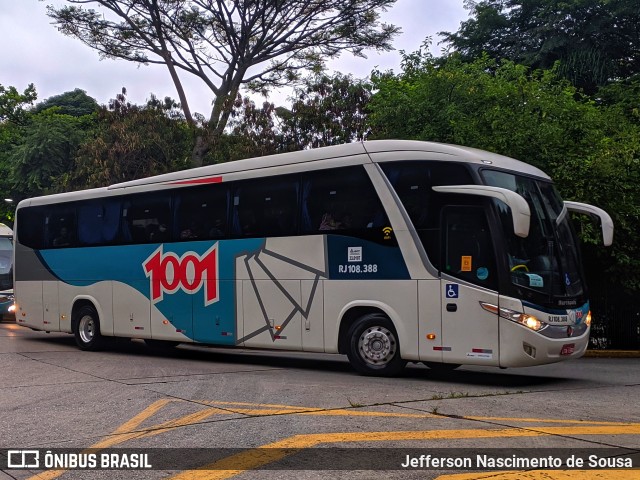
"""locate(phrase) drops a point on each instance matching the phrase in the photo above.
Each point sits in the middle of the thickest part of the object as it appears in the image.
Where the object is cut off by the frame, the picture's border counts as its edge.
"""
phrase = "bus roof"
(427, 150)
(361, 152)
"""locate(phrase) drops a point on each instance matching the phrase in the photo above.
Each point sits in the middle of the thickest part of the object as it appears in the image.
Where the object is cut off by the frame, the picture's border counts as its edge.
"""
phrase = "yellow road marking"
(121, 434)
(545, 420)
(126, 431)
(272, 452)
(548, 475)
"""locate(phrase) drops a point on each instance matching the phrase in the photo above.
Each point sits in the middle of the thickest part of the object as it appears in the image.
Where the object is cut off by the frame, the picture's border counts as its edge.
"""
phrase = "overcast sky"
(33, 51)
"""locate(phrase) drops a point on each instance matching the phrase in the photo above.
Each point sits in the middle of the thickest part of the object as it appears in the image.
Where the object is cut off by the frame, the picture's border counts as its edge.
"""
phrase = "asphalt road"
(204, 413)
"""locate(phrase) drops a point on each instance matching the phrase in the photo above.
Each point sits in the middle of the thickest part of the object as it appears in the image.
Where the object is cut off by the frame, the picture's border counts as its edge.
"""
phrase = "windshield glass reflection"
(544, 266)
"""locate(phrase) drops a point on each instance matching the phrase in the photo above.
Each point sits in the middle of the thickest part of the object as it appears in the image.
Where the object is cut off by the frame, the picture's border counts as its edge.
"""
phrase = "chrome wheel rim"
(377, 346)
(86, 328)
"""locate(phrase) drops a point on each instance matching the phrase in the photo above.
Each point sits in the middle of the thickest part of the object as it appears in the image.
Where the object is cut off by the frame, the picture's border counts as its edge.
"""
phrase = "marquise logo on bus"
(169, 273)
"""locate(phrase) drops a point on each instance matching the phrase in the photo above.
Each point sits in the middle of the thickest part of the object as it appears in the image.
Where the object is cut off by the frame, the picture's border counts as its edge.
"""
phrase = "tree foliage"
(227, 43)
(327, 110)
(255, 130)
(624, 94)
(75, 103)
(596, 41)
(13, 114)
(592, 151)
(131, 142)
(46, 151)
(13, 103)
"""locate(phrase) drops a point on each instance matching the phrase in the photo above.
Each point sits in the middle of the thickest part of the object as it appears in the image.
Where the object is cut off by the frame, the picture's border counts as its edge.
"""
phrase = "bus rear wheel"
(373, 347)
(86, 328)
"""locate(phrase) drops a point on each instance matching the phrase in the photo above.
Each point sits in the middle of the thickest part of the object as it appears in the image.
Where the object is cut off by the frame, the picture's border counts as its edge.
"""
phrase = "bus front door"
(469, 333)
(468, 280)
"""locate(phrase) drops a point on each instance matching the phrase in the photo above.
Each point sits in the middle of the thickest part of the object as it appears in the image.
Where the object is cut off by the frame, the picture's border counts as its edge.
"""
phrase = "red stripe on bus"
(198, 181)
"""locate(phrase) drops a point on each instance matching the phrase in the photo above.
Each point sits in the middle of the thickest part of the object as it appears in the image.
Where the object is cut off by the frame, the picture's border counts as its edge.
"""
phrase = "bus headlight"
(532, 322)
(528, 321)
(588, 319)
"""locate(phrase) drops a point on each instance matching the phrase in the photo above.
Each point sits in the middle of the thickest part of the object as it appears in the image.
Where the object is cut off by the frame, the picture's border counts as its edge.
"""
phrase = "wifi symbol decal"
(387, 232)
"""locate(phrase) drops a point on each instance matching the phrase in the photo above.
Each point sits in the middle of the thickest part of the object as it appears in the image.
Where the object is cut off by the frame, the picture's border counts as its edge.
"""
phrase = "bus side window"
(201, 212)
(342, 201)
(266, 207)
(98, 222)
(31, 227)
(147, 219)
(60, 227)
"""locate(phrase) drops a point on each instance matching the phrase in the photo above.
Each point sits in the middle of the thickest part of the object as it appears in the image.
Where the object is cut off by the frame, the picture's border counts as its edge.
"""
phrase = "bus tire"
(373, 347)
(86, 329)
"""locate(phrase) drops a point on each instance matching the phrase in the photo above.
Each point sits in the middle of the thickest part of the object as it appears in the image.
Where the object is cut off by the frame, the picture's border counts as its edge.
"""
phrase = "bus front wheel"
(373, 346)
(87, 328)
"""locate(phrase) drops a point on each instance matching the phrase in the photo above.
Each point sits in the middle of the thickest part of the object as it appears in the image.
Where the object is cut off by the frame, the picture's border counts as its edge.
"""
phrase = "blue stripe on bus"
(214, 322)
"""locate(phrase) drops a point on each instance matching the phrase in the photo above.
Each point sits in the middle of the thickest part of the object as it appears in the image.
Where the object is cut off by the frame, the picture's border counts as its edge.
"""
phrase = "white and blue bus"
(386, 251)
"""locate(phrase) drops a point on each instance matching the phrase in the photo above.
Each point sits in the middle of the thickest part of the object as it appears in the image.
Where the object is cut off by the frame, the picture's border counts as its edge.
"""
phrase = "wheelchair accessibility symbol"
(451, 290)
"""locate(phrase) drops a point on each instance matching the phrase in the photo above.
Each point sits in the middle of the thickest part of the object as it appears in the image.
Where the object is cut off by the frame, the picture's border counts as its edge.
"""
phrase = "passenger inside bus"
(63, 238)
(159, 233)
(193, 231)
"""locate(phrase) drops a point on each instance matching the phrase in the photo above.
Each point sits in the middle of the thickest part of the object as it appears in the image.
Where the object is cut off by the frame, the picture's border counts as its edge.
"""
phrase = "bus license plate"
(568, 349)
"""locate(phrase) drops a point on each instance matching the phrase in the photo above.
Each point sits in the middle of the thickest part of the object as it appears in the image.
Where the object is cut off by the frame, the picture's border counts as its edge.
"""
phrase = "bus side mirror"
(520, 213)
(605, 219)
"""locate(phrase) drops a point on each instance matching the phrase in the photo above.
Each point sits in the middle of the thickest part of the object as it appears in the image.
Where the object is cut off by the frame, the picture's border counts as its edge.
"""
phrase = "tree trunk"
(220, 113)
(200, 149)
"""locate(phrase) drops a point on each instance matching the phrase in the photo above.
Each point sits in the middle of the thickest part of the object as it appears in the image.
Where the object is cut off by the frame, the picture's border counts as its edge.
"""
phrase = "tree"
(13, 103)
(254, 131)
(624, 94)
(501, 107)
(45, 152)
(13, 114)
(227, 43)
(327, 111)
(130, 142)
(596, 41)
(75, 103)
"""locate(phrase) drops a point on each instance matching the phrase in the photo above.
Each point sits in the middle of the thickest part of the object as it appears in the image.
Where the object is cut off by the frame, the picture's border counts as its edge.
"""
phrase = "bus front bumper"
(522, 347)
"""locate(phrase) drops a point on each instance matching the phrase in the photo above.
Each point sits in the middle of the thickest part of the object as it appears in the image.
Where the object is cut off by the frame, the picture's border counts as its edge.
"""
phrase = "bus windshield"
(544, 266)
